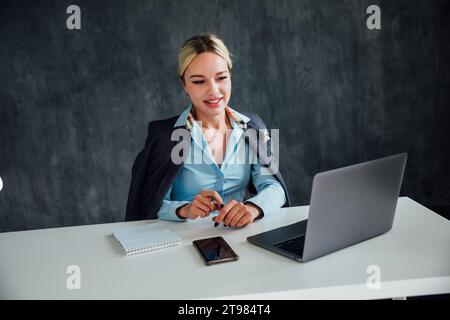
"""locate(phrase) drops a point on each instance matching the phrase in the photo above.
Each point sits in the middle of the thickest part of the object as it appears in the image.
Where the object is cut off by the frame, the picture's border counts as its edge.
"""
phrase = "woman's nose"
(213, 87)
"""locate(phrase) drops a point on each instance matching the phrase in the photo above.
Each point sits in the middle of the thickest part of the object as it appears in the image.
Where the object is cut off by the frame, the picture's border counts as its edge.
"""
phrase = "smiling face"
(207, 81)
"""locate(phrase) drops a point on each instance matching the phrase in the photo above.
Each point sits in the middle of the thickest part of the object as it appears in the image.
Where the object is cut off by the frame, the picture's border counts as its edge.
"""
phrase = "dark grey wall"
(75, 104)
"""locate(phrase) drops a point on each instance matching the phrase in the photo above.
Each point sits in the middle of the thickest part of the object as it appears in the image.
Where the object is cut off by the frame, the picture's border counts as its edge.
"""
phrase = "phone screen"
(215, 250)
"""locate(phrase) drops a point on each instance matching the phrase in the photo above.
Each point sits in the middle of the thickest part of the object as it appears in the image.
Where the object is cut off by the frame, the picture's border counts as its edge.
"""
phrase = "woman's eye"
(202, 81)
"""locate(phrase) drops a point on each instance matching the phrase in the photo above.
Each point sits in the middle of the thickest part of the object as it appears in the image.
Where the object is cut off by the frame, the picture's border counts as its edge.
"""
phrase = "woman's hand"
(201, 206)
(237, 214)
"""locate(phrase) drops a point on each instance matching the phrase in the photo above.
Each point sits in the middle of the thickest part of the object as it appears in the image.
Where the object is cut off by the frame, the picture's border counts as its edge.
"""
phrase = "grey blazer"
(153, 171)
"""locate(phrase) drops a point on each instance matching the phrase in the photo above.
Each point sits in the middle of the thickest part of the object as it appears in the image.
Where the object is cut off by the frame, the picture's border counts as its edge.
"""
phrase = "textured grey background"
(75, 104)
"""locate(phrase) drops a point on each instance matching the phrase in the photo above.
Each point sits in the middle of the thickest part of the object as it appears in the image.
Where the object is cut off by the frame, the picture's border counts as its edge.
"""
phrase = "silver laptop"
(348, 205)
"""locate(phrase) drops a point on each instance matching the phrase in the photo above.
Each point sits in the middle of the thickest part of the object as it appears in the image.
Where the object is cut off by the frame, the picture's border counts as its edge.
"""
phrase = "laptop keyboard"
(293, 245)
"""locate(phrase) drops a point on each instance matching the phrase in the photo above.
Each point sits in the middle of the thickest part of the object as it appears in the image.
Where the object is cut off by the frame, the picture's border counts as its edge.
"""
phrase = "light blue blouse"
(230, 180)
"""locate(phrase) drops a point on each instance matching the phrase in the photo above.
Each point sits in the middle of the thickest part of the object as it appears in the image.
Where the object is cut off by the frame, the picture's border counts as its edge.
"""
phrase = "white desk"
(414, 259)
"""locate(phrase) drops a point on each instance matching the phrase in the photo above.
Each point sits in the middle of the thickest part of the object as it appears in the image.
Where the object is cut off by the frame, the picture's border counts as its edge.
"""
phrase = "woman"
(162, 188)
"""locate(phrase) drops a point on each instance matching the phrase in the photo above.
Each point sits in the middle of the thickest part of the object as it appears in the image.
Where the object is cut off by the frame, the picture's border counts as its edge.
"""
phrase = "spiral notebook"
(149, 237)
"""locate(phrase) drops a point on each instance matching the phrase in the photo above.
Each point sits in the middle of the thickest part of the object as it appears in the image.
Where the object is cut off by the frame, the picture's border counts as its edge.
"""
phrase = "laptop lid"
(351, 204)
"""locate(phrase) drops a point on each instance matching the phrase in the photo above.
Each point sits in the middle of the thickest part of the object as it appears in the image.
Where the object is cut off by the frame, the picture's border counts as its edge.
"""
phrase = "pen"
(220, 206)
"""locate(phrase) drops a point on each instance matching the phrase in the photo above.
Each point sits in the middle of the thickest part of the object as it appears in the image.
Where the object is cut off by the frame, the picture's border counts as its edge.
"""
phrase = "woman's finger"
(233, 211)
(200, 209)
(238, 216)
(207, 202)
(245, 220)
(213, 194)
(225, 210)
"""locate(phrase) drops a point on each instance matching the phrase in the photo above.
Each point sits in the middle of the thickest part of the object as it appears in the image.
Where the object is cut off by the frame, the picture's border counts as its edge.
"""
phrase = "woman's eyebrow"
(201, 76)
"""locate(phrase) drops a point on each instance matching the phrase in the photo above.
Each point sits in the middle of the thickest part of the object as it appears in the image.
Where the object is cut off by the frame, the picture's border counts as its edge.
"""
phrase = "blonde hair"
(198, 44)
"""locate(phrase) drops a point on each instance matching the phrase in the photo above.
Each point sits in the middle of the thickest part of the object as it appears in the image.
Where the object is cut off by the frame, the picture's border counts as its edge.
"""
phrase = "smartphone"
(215, 250)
